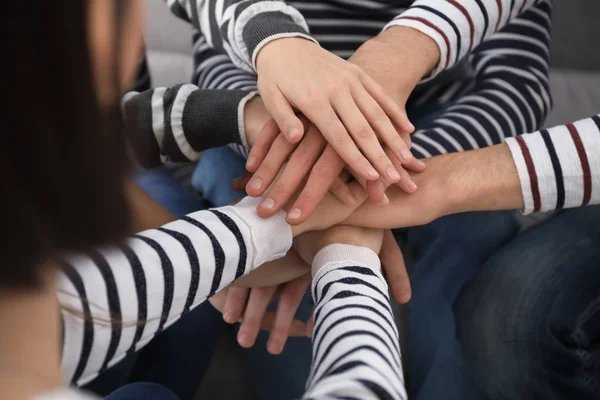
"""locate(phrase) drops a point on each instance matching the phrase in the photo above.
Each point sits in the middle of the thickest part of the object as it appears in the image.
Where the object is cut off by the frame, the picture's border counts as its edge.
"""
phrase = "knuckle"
(364, 132)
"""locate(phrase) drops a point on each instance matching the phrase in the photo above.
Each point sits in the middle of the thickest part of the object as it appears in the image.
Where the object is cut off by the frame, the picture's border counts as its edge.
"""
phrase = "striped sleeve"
(458, 26)
(216, 71)
(241, 28)
(559, 167)
(177, 123)
(116, 299)
(508, 95)
(356, 353)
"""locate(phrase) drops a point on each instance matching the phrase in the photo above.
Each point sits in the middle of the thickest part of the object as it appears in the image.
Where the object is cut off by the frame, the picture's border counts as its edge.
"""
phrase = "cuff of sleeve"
(209, 118)
(428, 29)
(522, 170)
(271, 237)
(241, 118)
(337, 254)
(264, 22)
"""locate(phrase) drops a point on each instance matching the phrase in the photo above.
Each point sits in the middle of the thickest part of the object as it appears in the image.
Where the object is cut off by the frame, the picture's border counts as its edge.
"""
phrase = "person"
(489, 81)
(115, 294)
(530, 309)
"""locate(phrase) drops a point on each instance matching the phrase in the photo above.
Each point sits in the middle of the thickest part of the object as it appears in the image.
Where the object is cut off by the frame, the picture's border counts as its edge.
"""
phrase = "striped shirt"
(116, 299)
(493, 69)
(559, 167)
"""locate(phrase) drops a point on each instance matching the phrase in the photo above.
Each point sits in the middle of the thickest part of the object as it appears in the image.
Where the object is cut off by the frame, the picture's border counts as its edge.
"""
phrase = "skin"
(398, 48)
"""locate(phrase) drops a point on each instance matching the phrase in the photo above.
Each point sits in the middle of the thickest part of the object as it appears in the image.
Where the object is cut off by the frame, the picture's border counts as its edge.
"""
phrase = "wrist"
(416, 53)
(481, 180)
(273, 49)
(256, 117)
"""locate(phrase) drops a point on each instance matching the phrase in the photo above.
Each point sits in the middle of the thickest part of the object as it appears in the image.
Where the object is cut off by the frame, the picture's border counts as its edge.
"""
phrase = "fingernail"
(372, 174)
(420, 163)
(227, 317)
(274, 347)
(393, 174)
(243, 339)
(411, 126)
(405, 295)
(385, 201)
(256, 183)
(251, 162)
(295, 213)
(293, 134)
(405, 154)
(350, 200)
(268, 204)
(411, 185)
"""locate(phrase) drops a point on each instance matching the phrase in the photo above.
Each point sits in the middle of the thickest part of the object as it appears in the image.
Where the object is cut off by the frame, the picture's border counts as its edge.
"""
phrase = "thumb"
(282, 112)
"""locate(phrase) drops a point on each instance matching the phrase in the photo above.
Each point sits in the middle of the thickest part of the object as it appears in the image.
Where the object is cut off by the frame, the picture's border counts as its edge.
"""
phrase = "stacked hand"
(330, 115)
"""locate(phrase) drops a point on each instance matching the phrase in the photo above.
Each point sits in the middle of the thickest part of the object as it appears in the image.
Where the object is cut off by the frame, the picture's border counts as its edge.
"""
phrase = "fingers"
(260, 298)
(235, 304)
(376, 191)
(382, 124)
(262, 146)
(395, 268)
(341, 191)
(406, 183)
(363, 135)
(294, 172)
(239, 184)
(288, 304)
(328, 122)
(280, 109)
(269, 168)
(391, 108)
(323, 174)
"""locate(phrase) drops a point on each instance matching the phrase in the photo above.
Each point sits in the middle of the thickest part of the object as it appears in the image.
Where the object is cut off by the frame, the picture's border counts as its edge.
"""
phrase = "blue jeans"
(178, 357)
(529, 321)
(446, 253)
(142, 391)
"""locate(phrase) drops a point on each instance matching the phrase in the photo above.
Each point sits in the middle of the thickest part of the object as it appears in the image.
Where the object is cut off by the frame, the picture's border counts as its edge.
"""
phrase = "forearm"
(459, 26)
(356, 349)
(116, 299)
(178, 123)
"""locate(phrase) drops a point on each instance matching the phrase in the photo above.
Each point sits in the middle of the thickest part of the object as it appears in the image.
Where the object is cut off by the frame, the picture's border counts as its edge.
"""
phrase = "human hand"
(309, 244)
(349, 108)
(249, 307)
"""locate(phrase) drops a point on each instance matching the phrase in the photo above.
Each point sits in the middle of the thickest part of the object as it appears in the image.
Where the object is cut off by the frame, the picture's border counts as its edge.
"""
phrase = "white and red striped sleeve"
(458, 26)
(559, 167)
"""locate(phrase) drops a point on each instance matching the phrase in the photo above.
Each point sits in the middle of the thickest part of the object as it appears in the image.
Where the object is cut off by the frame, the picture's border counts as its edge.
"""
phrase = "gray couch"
(575, 82)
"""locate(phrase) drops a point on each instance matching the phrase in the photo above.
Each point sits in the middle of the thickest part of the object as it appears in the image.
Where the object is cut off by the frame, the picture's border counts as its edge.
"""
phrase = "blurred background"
(575, 82)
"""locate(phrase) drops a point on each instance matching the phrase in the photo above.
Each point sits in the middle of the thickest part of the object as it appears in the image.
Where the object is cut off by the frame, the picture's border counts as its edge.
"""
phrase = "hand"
(249, 306)
(349, 108)
(275, 272)
(477, 180)
(256, 117)
(397, 49)
(309, 244)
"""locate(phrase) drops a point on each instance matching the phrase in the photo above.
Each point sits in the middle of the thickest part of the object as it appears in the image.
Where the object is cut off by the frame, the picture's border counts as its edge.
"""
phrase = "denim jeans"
(529, 320)
(179, 356)
(142, 391)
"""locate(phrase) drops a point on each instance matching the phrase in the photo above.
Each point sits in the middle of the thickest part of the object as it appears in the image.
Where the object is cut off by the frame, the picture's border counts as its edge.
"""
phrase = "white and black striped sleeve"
(356, 351)
(458, 26)
(240, 28)
(559, 167)
(177, 123)
(116, 299)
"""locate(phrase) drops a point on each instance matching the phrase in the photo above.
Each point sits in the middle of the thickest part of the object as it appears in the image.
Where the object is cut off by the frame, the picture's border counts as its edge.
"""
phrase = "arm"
(116, 299)
(459, 26)
(356, 351)
(177, 123)
(545, 170)
(241, 28)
